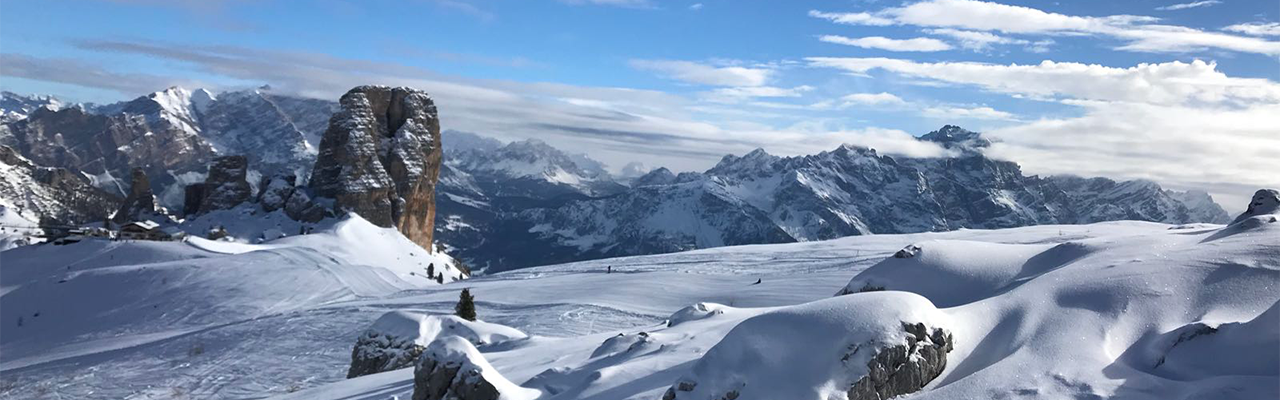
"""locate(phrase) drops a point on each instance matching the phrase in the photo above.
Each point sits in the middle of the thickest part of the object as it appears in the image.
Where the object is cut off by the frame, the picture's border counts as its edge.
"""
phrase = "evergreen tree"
(440, 278)
(466, 308)
(431, 269)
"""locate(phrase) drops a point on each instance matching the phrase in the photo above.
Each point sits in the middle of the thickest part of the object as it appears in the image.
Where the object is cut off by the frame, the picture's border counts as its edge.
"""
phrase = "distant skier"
(758, 281)
(609, 270)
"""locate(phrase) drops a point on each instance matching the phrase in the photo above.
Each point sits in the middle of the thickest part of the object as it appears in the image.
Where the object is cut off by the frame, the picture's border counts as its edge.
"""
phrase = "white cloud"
(852, 18)
(1165, 83)
(1256, 28)
(961, 113)
(735, 94)
(1140, 33)
(704, 74)
(695, 6)
(1228, 151)
(1183, 6)
(883, 43)
(976, 40)
(873, 99)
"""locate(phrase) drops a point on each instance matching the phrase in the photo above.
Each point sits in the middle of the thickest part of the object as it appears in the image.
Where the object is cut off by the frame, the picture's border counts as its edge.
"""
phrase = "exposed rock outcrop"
(452, 368)
(898, 370)
(140, 204)
(224, 187)
(396, 339)
(274, 191)
(870, 346)
(1264, 201)
(380, 158)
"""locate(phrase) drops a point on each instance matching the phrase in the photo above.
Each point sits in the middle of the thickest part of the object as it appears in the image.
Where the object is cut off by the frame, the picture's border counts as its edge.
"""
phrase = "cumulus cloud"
(1139, 33)
(1184, 6)
(704, 74)
(884, 43)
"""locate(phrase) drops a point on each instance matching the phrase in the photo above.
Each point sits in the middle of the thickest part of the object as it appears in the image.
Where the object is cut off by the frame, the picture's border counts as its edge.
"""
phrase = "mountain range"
(506, 205)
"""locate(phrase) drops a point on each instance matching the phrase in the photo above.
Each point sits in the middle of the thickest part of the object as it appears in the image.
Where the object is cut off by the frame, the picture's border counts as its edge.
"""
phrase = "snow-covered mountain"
(511, 205)
(14, 106)
(762, 198)
(56, 195)
(172, 134)
(484, 180)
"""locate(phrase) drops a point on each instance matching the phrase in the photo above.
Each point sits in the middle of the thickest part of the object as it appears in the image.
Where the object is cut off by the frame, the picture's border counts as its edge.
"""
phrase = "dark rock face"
(141, 202)
(898, 370)
(1264, 201)
(110, 145)
(224, 188)
(439, 379)
(376, 353)
(226, 183)
(380, 158)
(274, 191)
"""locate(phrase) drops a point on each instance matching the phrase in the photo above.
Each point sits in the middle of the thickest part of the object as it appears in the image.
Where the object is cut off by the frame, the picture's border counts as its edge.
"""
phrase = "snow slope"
(1084, 311)
(107, 303)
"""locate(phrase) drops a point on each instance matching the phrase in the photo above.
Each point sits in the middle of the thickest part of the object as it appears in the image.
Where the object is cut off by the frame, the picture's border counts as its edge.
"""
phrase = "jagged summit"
(660, 176)
(952, 136)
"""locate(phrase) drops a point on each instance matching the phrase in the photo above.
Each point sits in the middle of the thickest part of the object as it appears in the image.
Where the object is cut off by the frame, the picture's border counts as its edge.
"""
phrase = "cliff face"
(380, 158)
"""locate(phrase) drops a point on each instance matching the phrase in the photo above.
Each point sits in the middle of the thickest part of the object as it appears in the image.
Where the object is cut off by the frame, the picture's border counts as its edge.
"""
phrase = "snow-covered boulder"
(452, 368)
(1264, 201)
(695, 312)
(396, 339)
(864, 346)
(1199, 350)
(274, 191)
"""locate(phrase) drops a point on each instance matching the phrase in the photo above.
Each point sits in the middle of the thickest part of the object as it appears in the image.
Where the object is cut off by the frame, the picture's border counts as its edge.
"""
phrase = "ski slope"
(1072, 312)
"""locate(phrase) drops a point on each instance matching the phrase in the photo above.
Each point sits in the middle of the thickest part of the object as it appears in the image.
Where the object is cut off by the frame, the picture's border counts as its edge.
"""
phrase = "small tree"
(440, 278)
(466, 308)
(431, 269)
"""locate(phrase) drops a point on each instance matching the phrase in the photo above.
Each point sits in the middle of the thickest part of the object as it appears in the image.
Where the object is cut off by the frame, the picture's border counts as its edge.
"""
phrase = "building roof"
(144, 225)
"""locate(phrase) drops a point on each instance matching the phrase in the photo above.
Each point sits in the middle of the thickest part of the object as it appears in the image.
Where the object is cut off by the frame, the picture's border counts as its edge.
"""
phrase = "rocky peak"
(951, 136)
(660, 176)
(140, 204)
(755, 162)
(1264, 201)
(14, 106)
(459, 141)
(380, 158)
(224, 188)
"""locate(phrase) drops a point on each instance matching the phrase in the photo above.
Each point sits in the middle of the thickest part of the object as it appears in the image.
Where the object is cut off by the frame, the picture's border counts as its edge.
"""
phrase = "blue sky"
(1181, 92)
